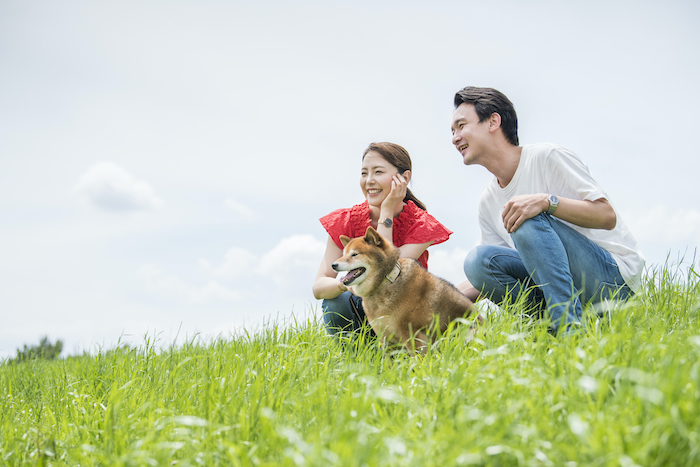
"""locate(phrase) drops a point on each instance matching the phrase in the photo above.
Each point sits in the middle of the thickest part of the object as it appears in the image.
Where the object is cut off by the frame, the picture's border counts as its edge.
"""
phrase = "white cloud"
(172, 288)
(242, 210)
(110, 187)
(290, 265)
(293, 259)
(448, 264)
(237, 262)
(662, 224)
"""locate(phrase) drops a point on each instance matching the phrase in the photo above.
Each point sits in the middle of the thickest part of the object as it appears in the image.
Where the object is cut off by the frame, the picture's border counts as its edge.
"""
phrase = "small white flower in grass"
(627, 462)
(502, 350)
(653, 395)
(396, 446)
(189, 420)
(387, 395)
(542, 457)
(170, 445)
(469, 458)
(474, 414)
(515, 337)
(588, 384)
(497, 449)
(576, 425)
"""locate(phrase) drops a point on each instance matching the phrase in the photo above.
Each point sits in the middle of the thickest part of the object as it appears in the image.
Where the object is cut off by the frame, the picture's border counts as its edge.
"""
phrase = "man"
(547, 227)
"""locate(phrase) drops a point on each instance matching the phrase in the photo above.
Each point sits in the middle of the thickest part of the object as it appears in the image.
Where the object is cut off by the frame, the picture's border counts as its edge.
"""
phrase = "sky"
(163, 165)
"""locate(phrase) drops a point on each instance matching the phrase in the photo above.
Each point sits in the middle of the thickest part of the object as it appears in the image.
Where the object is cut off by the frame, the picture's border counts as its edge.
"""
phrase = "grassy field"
(625, 393)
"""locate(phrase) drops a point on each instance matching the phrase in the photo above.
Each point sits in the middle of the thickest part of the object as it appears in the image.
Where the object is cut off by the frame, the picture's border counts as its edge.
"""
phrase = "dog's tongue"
(352, 275)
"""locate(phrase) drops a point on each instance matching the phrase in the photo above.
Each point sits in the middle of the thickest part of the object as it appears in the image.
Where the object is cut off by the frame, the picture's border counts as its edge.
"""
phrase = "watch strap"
(553, 204)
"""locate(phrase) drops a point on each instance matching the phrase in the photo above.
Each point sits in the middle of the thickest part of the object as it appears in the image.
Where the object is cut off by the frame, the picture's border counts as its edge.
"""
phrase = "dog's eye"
(353, 254)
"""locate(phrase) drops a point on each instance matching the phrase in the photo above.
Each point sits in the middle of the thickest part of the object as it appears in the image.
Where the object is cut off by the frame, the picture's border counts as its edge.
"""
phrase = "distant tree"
(45, 350)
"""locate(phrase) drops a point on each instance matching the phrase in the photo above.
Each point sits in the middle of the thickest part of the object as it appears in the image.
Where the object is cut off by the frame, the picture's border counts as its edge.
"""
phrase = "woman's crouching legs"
(343, 313)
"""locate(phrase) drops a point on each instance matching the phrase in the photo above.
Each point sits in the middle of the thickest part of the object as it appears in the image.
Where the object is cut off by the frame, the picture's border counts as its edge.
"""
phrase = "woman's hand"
(341, 286)
(393, 203)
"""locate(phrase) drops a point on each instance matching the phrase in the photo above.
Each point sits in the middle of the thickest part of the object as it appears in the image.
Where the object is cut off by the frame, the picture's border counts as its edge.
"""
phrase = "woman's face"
(376, 178)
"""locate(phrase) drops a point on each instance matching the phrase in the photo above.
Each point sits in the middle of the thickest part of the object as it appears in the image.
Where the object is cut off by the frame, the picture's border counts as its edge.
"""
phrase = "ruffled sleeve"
(415, 225)
(351, 222)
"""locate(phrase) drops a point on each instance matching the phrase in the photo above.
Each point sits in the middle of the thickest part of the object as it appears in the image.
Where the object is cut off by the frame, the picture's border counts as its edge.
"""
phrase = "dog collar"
(394, 272)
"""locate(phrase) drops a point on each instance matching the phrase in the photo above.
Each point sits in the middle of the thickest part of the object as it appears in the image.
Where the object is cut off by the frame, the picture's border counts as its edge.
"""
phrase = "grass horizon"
(623, 393)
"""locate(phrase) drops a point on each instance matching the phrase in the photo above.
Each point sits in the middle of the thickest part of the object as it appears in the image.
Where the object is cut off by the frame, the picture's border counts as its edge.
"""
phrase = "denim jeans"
(344, 313)
(554, 264)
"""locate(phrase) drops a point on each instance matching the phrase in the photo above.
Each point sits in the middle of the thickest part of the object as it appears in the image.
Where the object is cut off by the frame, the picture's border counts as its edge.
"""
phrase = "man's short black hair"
(487, 101)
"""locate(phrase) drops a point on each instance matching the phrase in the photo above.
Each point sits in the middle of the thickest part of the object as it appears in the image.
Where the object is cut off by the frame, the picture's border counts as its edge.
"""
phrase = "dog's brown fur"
(412, 309)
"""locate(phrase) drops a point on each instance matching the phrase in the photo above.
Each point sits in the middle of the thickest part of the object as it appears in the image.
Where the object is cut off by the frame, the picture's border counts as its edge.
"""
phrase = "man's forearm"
(468, 290)
(598, 214)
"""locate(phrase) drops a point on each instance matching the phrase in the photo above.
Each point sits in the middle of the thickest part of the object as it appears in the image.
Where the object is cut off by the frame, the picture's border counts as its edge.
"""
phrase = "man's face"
(469, 135)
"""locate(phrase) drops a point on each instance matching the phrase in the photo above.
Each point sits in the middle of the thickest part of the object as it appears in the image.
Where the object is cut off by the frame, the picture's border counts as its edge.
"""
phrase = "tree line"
(45, 350)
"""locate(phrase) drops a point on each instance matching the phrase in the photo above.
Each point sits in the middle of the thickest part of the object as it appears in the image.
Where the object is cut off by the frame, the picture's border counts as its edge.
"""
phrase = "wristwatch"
(553, 204)
(388, 222)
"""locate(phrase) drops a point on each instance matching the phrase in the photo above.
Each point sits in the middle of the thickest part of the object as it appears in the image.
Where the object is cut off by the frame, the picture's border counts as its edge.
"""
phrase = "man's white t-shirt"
(548, 168)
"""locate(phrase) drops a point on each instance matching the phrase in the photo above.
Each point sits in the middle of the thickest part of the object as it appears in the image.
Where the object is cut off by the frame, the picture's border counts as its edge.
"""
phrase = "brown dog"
(401, 299)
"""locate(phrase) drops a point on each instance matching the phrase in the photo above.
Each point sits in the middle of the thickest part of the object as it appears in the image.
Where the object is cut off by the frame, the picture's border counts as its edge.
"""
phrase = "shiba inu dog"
(403, 302)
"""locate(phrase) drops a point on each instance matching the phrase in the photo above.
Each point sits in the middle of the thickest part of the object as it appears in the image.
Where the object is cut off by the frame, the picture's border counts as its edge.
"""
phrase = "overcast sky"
(163, 165)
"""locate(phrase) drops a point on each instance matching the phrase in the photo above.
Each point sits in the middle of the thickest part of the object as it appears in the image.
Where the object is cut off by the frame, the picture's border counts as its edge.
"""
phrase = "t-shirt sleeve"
(568, 176)
(336, 224)
(489, 234)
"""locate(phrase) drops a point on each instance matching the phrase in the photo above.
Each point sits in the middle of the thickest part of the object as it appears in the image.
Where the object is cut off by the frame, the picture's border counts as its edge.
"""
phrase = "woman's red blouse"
(413, 225)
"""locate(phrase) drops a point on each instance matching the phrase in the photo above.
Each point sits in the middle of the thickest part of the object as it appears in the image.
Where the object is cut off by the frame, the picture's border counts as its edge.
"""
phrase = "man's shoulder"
(542, 148)
(548, 153)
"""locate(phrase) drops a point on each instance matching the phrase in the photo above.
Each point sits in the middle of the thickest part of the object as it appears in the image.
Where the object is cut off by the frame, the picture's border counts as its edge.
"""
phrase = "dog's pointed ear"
(344, 240)
(372, 236)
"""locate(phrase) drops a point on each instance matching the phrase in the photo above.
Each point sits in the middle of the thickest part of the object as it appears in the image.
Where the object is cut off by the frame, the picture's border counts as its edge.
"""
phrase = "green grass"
(625, 393)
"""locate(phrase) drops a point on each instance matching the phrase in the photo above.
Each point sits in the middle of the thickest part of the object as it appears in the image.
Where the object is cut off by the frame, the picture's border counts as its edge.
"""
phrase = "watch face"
(553, 199)
(388, 222)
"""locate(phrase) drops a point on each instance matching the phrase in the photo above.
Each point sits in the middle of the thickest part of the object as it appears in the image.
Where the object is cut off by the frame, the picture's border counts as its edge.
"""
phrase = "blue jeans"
(553, 264)
(344, 313)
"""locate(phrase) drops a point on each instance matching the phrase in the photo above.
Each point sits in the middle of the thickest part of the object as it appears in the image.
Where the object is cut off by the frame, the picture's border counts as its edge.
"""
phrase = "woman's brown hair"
(399, 158)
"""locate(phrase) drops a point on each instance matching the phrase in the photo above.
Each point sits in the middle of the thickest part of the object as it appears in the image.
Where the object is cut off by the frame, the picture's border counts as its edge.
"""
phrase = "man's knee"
(475, 265)
(530, 230)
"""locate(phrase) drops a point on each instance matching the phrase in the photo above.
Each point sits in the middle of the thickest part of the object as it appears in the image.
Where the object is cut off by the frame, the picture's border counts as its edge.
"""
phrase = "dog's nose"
(335, 267)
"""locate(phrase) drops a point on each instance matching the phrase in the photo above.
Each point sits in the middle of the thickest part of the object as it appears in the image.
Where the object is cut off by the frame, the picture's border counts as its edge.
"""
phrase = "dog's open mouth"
(352, 275)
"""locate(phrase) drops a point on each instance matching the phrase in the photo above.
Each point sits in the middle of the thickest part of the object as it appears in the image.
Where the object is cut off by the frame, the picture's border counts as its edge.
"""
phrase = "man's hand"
(523, 207)
(598, 214)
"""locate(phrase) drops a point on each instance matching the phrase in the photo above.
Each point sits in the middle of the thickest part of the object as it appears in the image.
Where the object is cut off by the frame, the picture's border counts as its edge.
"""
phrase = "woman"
(393, 211)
